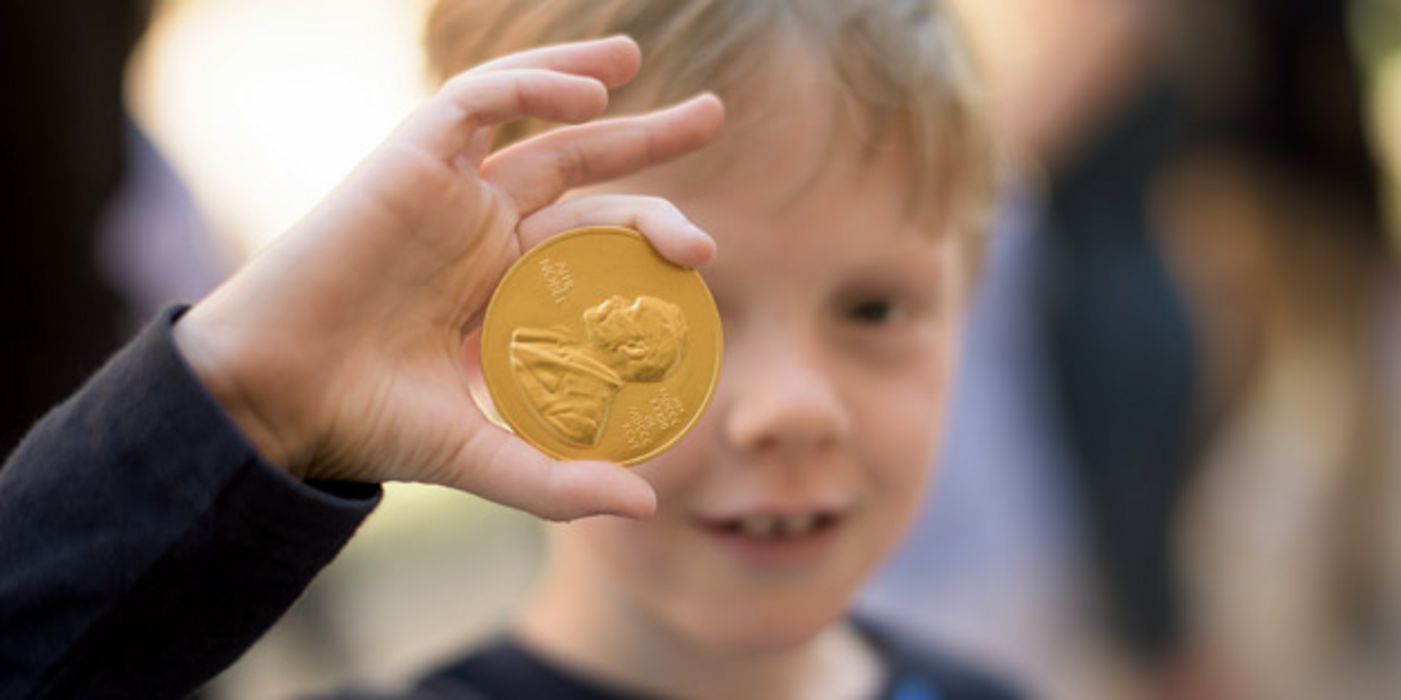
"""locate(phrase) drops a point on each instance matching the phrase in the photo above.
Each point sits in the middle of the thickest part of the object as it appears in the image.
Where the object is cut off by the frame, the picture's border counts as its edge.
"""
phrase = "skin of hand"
(336, 350)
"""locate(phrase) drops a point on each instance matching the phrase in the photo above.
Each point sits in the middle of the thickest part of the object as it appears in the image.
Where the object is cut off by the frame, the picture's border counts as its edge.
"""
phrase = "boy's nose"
(782, 404)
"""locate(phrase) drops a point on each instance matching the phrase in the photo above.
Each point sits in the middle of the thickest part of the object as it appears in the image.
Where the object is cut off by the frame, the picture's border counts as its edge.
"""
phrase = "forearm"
(143, 543)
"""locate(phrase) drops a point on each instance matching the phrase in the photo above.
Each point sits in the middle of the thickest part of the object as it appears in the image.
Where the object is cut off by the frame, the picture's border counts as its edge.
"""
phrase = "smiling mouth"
(776, 528)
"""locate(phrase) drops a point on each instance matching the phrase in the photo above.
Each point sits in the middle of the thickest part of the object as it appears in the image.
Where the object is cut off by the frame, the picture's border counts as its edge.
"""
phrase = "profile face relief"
(571, 385)
(642, 339)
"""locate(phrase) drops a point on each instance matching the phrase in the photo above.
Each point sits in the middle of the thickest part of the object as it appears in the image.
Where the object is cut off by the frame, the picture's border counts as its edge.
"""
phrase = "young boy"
(842, 195)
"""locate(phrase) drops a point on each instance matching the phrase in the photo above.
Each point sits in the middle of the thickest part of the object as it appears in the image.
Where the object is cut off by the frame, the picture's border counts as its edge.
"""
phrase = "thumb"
(501, 467)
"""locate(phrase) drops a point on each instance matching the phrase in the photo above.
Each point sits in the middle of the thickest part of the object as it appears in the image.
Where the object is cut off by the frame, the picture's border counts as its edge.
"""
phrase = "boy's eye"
(871, 311)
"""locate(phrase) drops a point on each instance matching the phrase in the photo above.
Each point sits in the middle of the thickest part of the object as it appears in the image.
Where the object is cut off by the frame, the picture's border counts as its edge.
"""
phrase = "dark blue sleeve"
(143, 543)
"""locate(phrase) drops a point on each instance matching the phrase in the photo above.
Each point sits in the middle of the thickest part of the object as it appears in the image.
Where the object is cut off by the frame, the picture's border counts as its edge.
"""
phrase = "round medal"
(596, 347)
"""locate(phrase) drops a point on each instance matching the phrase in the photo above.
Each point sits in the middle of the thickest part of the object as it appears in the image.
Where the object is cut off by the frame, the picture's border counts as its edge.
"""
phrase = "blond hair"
(900, 61)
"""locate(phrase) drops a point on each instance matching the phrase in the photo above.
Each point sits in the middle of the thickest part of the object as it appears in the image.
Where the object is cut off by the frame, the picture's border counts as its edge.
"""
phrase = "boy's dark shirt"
(144, 545)
(504, 669)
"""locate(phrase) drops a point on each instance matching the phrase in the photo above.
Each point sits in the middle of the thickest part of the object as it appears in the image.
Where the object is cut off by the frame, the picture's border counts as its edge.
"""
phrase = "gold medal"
(596, 347)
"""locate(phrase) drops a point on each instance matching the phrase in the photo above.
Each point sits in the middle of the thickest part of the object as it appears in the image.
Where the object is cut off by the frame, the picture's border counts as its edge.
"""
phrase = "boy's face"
(840, 316)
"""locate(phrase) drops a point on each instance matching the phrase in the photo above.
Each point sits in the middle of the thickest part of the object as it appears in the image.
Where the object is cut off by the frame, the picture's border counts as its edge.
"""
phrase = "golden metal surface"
(595, 347)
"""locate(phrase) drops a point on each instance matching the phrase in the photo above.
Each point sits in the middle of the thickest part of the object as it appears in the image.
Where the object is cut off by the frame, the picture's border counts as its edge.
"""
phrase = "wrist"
(221, 369)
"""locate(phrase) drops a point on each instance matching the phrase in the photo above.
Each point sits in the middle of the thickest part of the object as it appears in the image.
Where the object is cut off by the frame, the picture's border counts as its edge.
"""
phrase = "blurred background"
(1174, 463)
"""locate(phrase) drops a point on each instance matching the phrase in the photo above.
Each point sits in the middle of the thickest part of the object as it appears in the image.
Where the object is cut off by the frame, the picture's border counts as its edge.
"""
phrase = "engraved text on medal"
(557, 279)
(644, 426)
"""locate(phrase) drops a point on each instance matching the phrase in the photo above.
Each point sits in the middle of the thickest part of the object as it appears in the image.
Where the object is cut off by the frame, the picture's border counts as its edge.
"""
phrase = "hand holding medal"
(337, 351)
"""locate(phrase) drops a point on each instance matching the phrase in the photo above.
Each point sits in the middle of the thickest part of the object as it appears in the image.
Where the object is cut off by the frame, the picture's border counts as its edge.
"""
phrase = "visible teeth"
(758, 526)
(775, 526)
(794, 525)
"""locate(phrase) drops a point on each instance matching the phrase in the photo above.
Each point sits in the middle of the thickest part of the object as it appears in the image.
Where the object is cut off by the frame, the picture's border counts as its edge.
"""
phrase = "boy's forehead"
(795, 134)
(800, 140)
(785, 190)
(800, 116)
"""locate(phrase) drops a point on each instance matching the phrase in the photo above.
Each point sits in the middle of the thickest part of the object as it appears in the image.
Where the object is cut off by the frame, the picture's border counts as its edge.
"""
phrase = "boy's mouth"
(774, 527)
(776, 542)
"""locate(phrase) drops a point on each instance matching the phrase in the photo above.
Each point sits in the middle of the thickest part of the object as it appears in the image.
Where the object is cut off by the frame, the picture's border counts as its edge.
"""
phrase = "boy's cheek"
(674, 470)
(900, 464)
(905, 413)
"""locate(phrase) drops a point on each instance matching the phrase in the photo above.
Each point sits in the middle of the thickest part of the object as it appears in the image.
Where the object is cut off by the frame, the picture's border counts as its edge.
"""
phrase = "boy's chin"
(762, 632)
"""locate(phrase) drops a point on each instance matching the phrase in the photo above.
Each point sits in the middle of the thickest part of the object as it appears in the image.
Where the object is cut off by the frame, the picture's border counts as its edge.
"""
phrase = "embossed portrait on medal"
(570, 382)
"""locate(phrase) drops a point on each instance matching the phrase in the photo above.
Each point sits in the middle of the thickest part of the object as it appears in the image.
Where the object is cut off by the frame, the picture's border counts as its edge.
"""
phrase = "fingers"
(446, 124)
(668, 230)
(518, 85)
(501, 467)
(613, 60)
(537, 171)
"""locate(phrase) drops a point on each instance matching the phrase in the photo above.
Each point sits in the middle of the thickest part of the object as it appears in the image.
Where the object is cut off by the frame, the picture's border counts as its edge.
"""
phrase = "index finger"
(550, 82)
(538, 170)
(612, 61)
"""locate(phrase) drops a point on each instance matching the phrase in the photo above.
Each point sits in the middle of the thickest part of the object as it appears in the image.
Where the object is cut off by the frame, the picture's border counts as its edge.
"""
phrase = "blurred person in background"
(99, 233)
(63, 159)
(1273, 219)
(1178, 343)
